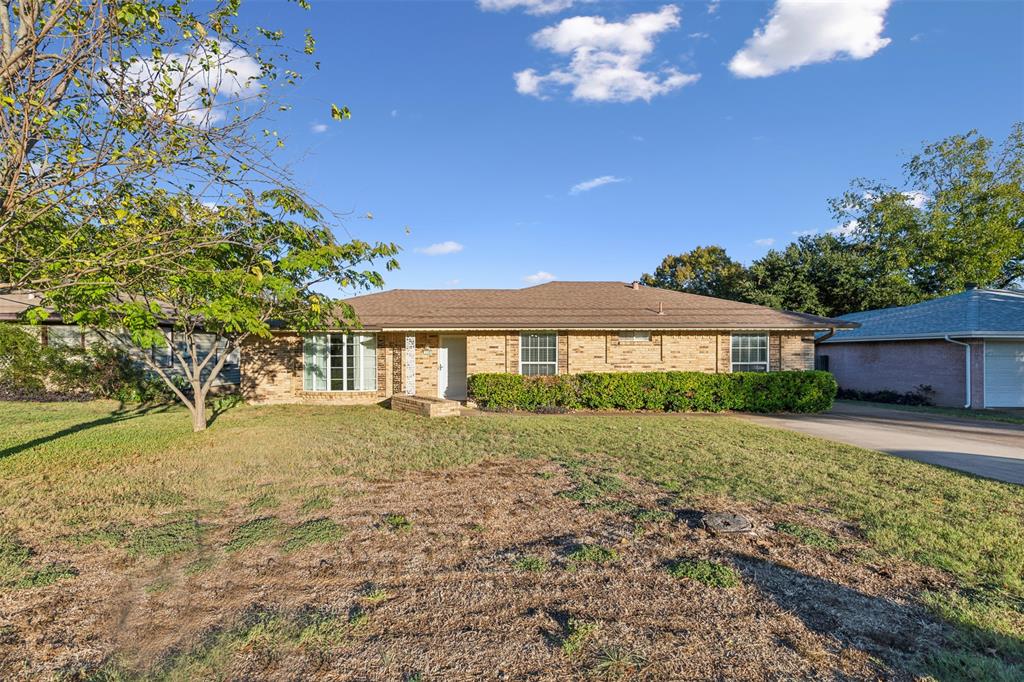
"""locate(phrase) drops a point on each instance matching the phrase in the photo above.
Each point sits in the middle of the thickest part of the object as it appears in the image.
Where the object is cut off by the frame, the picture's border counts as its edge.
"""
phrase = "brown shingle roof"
(14, 303)
(570, 305)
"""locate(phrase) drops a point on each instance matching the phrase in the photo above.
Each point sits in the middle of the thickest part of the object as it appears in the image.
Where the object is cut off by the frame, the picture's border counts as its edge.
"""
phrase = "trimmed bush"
(811, 391)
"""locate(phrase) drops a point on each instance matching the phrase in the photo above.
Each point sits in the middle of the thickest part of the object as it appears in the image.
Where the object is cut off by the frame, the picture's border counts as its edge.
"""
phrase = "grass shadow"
(222, 404)
(903, 636)
(120, 414)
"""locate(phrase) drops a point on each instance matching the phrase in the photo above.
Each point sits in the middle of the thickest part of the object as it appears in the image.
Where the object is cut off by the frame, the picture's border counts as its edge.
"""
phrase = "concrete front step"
(426, 407)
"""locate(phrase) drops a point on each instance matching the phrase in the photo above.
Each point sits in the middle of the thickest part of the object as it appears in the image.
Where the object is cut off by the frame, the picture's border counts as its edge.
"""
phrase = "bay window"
(339, 362)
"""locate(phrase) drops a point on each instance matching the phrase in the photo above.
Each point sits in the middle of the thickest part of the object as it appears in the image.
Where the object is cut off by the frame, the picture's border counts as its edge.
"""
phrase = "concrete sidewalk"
(989, 449)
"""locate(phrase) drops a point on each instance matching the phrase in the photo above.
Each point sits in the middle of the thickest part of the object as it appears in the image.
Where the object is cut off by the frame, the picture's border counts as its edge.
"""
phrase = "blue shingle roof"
(973, 313)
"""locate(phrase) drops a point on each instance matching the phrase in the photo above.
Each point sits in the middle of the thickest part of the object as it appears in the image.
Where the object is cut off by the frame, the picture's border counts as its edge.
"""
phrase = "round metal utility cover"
(727, 522)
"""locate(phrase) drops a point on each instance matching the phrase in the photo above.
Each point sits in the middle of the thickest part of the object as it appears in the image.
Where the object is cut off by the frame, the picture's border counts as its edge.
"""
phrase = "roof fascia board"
(930, 336)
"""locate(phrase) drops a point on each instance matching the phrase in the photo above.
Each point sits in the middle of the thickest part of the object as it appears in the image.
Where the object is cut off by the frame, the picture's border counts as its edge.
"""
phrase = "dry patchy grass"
(356, 543)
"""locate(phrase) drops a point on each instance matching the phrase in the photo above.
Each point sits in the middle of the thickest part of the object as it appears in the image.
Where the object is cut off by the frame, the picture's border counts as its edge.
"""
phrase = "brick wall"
(272, 373)
(485, 353)
(903, 365)
(272, 368)
(594, 351)
(426, 364)
(796, 351)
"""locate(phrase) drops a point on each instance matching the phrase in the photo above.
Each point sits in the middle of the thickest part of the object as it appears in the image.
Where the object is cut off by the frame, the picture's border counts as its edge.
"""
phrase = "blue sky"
(446, 145)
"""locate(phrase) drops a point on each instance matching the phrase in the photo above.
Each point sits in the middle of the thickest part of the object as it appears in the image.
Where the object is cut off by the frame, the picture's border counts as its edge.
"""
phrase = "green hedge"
(661, 391)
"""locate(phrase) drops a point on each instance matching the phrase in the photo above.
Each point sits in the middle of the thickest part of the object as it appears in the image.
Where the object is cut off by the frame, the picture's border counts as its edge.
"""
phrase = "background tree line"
(958, 219)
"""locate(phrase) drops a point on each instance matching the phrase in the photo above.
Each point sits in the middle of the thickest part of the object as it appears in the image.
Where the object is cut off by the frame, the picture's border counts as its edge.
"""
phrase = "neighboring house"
(54, 333)
(968, 347)
(426, 343)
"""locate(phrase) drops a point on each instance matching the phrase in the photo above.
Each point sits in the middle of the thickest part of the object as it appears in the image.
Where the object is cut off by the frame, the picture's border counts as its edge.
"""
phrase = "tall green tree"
(257, 260)
(958, 219)
(823, 275)
(101, 95)
(704, 270)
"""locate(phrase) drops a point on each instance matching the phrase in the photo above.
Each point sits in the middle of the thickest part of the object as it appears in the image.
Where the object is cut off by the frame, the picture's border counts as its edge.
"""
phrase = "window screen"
(538, 354)
(750, 352)
(634, 336)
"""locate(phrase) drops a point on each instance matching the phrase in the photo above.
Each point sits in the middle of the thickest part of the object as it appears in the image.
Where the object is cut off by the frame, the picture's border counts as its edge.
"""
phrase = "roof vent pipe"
(967, 370)
(636, 286)
(661, 308)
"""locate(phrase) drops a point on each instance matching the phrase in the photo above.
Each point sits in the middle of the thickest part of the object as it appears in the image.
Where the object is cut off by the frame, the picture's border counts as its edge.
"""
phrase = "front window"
(538, 354)
(750, 352)
(65, 336)
(340, 362)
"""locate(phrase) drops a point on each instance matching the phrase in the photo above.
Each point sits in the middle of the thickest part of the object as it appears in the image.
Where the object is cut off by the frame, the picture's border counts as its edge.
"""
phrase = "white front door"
(451, 368)
(1004, 373)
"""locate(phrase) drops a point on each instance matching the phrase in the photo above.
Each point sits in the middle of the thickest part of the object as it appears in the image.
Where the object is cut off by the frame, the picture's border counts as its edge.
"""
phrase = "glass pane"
(314, 351)
(61, 336)
(750, 352)
(367, 344)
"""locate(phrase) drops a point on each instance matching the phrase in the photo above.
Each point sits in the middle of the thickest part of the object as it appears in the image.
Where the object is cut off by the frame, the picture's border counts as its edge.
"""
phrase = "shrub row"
(922, 395)
(661, 391)
(32, 371)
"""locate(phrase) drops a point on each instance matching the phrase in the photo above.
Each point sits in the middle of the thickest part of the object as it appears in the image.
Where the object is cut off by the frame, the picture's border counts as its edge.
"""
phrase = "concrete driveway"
(990, 449)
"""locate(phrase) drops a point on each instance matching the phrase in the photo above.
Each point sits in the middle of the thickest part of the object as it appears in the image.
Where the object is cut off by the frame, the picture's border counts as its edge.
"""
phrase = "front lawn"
(296, 541)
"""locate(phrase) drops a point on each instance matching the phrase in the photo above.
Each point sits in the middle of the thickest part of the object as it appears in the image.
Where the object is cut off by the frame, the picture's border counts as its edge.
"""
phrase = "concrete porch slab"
(426, 406)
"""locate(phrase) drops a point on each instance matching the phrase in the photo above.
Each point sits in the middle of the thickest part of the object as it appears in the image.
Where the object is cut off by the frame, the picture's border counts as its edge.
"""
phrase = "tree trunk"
(199, 409)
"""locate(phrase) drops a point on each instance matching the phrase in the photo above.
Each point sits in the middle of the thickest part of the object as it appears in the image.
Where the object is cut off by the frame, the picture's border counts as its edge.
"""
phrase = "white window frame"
(767, 354)
(360, 353)
(538, 363)
(634, 336)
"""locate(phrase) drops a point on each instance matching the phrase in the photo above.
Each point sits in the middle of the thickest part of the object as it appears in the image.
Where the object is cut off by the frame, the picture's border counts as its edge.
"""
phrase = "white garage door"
(1004, 373)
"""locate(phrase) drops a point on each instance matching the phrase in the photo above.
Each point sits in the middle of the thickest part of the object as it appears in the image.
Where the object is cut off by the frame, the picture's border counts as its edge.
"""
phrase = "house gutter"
(967, 369)
(825, 337)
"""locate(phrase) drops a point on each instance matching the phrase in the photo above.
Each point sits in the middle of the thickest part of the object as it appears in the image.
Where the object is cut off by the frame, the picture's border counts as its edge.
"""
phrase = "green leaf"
(340, 114)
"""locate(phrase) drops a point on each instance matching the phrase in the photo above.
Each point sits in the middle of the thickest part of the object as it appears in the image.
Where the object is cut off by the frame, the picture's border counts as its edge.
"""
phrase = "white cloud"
(799, 32)
(713, 6)
(639, 138)
(606, 58)
(394, 113)
(453, 282)
(529, 6)
(441, 248)
(588, 185)
(538, 277)
(221, 68)
(846, 229)
(804, 233)
(319, 127)
(916, 199)
(767, 241)
(699, 36)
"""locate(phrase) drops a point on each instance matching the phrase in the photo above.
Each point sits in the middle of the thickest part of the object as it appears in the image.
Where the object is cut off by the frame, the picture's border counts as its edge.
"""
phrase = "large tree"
(824, 275)
(957, 219)
(102, 96)
(705, 270)
(256, 260)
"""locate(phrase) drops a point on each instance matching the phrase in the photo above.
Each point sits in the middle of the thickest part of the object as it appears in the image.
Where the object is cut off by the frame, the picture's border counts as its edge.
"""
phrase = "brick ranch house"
(969, 347)
(427, 342)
